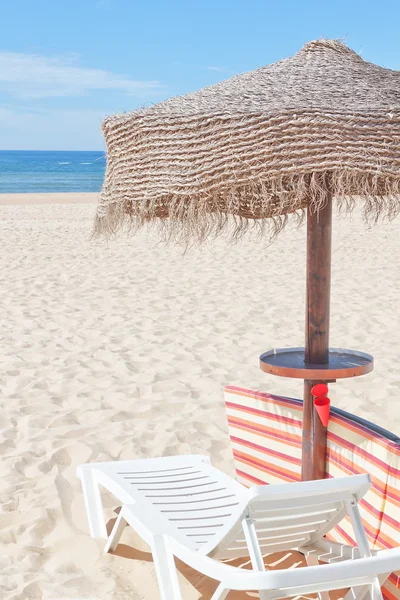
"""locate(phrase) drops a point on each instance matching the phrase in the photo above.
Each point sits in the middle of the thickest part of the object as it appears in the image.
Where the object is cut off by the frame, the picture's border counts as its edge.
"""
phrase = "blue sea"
(48, 171)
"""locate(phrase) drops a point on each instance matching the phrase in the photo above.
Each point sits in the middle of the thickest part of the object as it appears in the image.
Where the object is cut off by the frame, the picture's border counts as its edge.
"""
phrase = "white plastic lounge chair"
(182, 506)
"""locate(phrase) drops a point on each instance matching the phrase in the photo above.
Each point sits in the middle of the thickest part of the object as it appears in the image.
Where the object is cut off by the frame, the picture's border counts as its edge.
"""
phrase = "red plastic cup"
(323, 406)
(320, 389)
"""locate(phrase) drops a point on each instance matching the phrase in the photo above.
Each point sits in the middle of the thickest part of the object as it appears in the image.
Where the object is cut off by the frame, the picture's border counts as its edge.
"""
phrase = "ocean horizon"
(52, 171)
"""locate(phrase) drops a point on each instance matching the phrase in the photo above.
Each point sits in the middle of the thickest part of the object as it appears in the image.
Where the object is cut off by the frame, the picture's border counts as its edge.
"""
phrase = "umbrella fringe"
(262, 206)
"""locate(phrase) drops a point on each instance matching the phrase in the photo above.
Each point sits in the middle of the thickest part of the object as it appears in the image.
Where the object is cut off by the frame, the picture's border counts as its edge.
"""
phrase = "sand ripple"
(122, 352)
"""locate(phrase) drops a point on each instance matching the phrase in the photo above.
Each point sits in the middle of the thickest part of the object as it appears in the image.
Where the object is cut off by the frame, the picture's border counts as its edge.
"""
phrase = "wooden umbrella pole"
(319, 237)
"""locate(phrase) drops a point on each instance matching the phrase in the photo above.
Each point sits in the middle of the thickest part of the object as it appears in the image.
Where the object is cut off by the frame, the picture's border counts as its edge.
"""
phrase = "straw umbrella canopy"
(250, 151)
(258, 146)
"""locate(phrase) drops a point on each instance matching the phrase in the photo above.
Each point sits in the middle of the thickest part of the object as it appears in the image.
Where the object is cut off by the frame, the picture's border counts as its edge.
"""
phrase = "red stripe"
(345, 535)
(383, 489)
(359, 451)
(250, 477)
(387, 594)
(371, 434)
(331, 436)
(367, 432)
(395, 579)
(342, 420)
(349, 539)
(264, 414)
(269, 451)
(382, 516)
(377, 485)
(263, 396)
(267, 468)
(261, 429)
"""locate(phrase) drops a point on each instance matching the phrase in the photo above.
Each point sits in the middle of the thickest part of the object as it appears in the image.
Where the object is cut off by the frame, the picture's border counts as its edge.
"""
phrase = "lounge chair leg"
(312, 561)
(93, 504)
(165, 568)
(256, 557)
(116, 533)
(376, 592)
(363, 545)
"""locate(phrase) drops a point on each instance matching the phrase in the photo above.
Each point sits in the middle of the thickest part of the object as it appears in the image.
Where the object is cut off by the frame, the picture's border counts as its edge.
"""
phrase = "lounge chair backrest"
(185, 491)
(293, 515)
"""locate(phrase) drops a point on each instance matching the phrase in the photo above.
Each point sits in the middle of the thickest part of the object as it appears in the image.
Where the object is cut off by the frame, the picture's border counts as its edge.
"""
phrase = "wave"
(64, 162)
(85, 163)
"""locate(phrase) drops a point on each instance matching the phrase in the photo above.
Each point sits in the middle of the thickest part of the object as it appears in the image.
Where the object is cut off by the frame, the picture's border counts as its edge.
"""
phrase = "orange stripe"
(394, 579)
(377, 484)
(352, 446)
(385, 541)
(392, 491)
(333, 437)
(289, 438)
(373, 437)
(266, 450)
(374, 533)
(342, 421)
(387, 520)
(265, 466)
(369, 530)
(264, 414)
(344, 535)
(387, 595)
(378, 487)
(245, 475)
(353, 468)
(278, 400)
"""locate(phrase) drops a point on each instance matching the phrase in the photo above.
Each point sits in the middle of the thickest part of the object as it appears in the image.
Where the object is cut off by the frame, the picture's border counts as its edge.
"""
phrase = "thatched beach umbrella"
(286, 138)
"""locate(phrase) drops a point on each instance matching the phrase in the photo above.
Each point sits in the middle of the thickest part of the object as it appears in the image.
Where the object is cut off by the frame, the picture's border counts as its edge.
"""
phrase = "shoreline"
(49, 198)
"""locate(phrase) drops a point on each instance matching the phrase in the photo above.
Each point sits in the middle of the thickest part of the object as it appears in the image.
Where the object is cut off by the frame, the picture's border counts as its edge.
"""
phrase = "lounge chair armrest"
(351, 572)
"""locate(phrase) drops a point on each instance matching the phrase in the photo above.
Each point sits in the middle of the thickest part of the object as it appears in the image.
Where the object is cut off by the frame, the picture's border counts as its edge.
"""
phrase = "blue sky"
(65, 64)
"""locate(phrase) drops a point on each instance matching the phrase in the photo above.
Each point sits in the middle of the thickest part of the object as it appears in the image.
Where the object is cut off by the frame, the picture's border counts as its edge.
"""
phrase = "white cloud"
(35, 76)
(219, 69)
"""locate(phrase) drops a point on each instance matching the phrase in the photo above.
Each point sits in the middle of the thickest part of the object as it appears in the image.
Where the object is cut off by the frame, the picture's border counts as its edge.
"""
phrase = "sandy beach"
(46, 198)
(121, 350)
